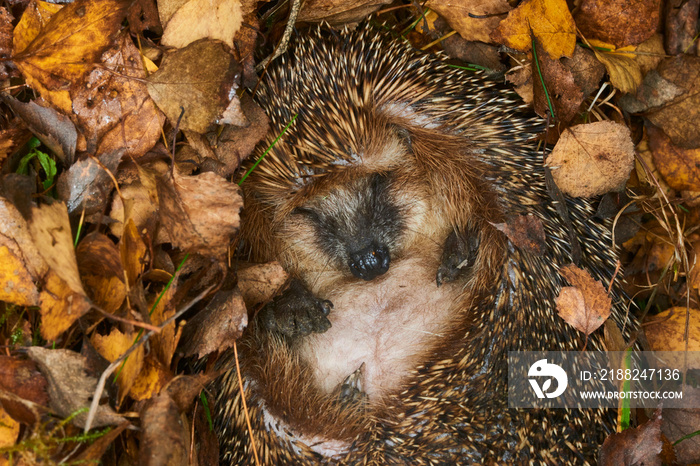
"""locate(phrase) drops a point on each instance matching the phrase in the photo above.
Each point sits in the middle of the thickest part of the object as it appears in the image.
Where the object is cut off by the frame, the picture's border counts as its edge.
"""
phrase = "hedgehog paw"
(297, 312)
(458, 255)
(350, 391)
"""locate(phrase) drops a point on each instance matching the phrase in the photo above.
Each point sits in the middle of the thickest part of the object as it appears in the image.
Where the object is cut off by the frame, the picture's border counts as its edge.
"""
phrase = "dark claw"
(350, 391)
(458, 256)
(297, 312)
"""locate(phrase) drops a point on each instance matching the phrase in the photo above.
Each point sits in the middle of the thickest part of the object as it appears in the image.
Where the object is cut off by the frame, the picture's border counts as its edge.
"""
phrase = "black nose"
(370, 262)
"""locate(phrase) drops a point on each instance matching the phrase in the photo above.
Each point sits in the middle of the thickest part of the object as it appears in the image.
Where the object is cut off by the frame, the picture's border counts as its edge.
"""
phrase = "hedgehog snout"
(370, 262)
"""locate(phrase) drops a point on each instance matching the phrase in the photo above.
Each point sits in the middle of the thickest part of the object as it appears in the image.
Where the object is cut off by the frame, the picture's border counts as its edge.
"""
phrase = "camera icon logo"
(543, 369)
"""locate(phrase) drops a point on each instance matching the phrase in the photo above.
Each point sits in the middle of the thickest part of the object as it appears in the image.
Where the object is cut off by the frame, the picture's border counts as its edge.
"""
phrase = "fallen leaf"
(338, 12)
(592, 159)
(619, 22)
(585, 304)
(111, 347)
(681, 18)
(562, 91)
(21, 377)
(680, 118)
(112, 105)
(586, 70)
(68, 46)
(35, 17)
(70, 389)
(666, 331)
(650, 53)
(96, 450)
(548, 20)
(526, 232)
(9, 430)
(16, 283)
(87, 184)
(217, 327)
(679, 424)
(133, 252)
(679, 167)
(203, 19)
(654, 92)
(165, 341)
(101, 271)
(14, 234)
(200, 213)
(457, 13)
(151, 380)
(164, 437)
(202, 79)
(259, 283)
(634, 446)
(624, 71)
(25, 411)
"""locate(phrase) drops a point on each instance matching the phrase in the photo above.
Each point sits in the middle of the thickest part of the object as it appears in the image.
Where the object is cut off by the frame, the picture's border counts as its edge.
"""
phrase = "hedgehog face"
(357, 225)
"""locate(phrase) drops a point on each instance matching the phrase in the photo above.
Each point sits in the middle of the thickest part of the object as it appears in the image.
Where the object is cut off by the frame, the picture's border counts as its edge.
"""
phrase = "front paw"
(297, 312)
(458, 256)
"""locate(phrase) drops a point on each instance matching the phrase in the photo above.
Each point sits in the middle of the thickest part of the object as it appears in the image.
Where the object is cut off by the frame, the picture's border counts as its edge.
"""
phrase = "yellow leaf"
(34, 18)
(68, 46)
(16, 285)
(150, 381)
(60, 306)
(114, 345)
(666, 332)
(9, 430)
(625, 73)
(548, 20)
(203, 19)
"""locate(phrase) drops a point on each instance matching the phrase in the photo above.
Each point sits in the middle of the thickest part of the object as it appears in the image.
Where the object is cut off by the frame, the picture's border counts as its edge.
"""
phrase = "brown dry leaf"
(680, 423)
(165, 341)
(140, 207)
(69, 46)
(151, 380)
(112, 104)
(9, 430)
(16, 283)
(95, 451)
(101, 271)
(562, 91)
(638, 446)
(114, 345)
(14, 233)
(587, 71)
(650, 53)
(202, 78)
(624, 71)
(548, 20)
(35, 17)
(164, 438)
(200, 213)
(70, 388)
(681, 17)
(592, 159)
(235, 143)
(203, 19)
(6, 69)
(457, 12)
(24, 411)
(585, 304)
(86, 185)
(680, 119)
(261, 282)
(338, 12)
(21, 377)
(60, 306)
(132, 251)
(217, 327)
(56, 131)
(522, 80)
(526, 232)
(679, 167)
(644, 153)
(666, 331)
(654, 91)
(619, 22)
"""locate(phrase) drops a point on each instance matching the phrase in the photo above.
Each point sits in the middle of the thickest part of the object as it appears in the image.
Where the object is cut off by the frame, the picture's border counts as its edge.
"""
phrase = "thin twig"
(282, 46)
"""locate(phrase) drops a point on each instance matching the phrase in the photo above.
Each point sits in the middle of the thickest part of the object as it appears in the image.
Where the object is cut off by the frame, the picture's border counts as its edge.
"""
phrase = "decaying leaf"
(200, 213)
(666, 331)
(624, 71)
(14, 234)
(16, 283)
(111, 347)
(548, 20)
(336, 12)
(101, 271)
(150, 381)
(70, 388)
(457, 13)
(35, 17)
(259, 283)
(562, 91)
(133, 252)
(592, 159)
(619, 22)
(165, 341)
(69, 46)
(9, 430)
(637, 446)
(585, 304)
(21, 377)
(525, 232)
(680, 424)
(202, 19)
(679, 167)
(202, 79)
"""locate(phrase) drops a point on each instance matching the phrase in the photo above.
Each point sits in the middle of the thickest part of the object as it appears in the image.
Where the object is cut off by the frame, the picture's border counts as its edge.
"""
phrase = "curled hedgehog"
(389, 345)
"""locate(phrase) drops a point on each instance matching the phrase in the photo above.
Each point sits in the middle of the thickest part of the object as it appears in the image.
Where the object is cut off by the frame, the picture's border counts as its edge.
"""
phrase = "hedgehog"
(390, 343)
